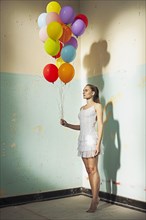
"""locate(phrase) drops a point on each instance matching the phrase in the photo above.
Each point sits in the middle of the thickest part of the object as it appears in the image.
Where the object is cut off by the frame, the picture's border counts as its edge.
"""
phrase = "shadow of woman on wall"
(112, 150)
(94, 62)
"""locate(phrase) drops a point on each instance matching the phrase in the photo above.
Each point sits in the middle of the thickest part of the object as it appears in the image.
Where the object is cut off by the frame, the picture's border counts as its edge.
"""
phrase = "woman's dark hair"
(96, 95)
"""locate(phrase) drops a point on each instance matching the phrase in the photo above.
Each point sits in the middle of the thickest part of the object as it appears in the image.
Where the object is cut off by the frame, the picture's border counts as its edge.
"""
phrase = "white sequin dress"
(87, 139)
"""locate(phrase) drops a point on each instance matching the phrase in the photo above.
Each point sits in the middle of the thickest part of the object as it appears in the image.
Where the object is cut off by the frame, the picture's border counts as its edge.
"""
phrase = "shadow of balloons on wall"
(95, 61)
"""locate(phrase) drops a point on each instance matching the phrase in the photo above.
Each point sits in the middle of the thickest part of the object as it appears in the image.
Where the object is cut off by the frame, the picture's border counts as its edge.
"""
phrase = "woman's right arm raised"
(65, 124)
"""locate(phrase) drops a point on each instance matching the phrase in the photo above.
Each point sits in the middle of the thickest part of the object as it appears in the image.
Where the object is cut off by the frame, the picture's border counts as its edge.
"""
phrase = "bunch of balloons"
(59, 31)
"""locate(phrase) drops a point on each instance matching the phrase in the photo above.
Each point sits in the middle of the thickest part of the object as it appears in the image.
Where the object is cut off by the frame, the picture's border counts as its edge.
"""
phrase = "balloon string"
(61, 87)
(61, 90)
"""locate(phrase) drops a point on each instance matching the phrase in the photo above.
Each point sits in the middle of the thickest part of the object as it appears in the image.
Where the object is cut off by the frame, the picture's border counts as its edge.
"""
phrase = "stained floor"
(71, 208)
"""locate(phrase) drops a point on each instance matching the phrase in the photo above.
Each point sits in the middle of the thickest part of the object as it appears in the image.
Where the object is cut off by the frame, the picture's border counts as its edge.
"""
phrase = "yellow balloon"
(59, 62)
(54, 30)
(52, 47)
(53, 7)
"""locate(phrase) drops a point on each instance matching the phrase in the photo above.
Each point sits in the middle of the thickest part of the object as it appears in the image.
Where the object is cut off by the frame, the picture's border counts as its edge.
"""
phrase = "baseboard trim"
(118, 200)
(37, 197)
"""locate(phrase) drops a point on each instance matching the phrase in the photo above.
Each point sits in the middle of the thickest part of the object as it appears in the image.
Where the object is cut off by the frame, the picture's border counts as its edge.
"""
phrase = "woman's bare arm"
(65, 124)
(99, 112)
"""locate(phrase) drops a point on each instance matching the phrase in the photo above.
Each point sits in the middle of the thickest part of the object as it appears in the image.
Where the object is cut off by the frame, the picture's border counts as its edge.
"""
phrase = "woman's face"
(87, 92)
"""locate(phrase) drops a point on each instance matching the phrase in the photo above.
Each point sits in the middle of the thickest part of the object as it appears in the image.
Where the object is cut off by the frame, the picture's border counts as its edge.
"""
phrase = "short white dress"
(87, 139)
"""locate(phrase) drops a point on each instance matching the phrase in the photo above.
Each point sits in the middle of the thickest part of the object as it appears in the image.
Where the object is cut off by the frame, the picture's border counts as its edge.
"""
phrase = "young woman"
(89, 141)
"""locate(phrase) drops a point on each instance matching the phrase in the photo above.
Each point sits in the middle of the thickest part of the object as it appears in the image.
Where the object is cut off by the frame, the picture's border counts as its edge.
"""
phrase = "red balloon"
(50, 73)
(66, 33)
(83, 18)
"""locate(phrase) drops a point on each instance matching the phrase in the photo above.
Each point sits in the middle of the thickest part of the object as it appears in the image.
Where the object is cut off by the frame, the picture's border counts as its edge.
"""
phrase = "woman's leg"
(94, 179)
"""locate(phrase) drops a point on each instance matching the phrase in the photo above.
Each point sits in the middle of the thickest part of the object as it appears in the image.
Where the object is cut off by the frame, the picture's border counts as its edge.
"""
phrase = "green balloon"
(52, 47)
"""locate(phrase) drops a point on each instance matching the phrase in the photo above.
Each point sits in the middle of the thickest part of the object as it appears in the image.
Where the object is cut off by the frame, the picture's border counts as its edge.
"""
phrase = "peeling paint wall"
(113, 58)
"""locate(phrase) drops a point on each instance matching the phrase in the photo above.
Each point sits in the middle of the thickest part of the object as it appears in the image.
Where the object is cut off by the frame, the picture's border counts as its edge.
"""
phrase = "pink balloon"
(52, 16)
(43, 34)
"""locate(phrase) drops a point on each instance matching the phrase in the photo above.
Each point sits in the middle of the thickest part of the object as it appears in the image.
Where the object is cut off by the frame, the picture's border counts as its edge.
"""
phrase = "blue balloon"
(68, 53)
(42, 20)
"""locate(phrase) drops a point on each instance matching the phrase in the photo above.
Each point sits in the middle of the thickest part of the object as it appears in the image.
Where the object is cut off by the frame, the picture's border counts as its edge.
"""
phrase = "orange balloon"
(67, 33)
(66, 72)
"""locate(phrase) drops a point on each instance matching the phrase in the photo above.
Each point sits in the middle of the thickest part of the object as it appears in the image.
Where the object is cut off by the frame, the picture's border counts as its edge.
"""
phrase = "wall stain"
(13, 145)
(13, 122)
(116, 98)
(38, 129)
(142, 82)
(3, 150)
(2, 192)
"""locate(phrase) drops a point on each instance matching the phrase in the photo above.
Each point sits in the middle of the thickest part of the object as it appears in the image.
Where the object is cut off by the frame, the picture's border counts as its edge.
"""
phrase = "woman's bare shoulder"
(98, 106)
(81, 108)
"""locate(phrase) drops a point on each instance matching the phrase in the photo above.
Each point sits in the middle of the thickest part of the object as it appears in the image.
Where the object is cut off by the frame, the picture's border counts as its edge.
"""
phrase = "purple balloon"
(72, 41)
(78, 27)
(67, 14)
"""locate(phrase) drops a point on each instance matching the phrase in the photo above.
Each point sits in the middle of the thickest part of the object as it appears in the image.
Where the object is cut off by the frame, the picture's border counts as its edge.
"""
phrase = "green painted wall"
(37, 153)
(122, 164)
